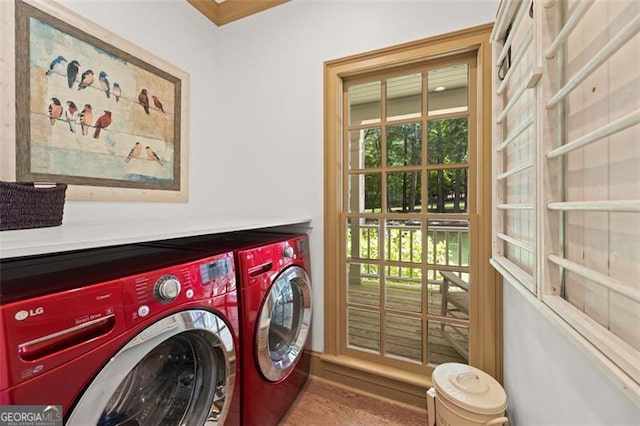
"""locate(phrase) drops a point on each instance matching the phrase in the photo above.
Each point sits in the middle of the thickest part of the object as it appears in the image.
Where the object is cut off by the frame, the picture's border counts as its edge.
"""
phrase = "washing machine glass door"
(179, 371)
(283, 324)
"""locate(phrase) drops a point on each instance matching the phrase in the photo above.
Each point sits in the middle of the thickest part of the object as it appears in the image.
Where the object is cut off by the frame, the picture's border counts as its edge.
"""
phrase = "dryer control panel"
(154, 292)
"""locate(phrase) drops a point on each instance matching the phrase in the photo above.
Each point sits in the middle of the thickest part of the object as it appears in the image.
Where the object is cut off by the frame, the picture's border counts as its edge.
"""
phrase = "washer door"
(178, 371)
(283, 324)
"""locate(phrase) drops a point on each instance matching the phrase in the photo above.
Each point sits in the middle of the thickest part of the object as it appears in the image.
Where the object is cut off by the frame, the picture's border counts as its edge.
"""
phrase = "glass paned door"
(408, 204)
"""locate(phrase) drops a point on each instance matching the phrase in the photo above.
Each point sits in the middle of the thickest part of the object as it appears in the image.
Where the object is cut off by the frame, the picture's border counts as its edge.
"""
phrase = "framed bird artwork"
(92, 110)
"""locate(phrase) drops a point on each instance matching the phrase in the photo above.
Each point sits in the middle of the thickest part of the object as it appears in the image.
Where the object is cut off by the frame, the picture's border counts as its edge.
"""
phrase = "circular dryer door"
(283, 324)
(180, 370)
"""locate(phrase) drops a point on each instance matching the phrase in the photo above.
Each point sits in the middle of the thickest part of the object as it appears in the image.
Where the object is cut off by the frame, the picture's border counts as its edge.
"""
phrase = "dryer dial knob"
(288, 252)
(167, 289)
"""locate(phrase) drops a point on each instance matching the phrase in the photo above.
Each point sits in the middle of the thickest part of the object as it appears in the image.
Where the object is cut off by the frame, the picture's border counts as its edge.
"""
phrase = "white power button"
(143, 311)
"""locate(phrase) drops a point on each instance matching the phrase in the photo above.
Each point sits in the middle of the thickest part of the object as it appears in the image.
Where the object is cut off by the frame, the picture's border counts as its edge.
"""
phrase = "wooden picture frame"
(91, 109)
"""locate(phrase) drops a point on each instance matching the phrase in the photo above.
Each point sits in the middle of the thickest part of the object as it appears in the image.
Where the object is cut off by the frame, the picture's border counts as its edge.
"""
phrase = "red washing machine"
(275, 317)
(147, 348)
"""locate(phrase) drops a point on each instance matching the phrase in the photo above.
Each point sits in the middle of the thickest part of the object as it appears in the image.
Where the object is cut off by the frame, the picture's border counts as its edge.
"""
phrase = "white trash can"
(465, 396)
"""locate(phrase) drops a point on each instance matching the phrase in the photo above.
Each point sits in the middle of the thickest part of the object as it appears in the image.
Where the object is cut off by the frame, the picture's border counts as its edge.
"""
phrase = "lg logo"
(23, 315)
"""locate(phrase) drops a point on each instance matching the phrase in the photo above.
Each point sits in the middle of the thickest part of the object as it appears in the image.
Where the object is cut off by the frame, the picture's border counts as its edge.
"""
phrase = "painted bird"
(152, 155)
(116, 90)
(102, 123)
(71, 114)
(143, 98)
(157, 103)
(55, 110)
(134, 153)
(72, 72)
(86, 79)
(104, 83)
(56, 65)
(86, 118)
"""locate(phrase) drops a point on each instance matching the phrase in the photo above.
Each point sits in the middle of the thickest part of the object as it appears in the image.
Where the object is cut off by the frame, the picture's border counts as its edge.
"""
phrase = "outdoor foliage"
(447, 144)
(404, 148)
(399, 246)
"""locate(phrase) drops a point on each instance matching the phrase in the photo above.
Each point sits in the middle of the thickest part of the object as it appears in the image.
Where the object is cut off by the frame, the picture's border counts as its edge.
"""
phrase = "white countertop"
(83, 235)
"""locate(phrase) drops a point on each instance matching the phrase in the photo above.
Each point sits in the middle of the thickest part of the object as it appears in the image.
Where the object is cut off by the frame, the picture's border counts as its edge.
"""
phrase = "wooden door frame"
(486, 308)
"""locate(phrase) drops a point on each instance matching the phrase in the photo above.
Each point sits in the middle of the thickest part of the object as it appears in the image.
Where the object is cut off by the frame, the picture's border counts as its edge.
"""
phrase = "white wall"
(179, 34)
(549, 380)
(272, 88)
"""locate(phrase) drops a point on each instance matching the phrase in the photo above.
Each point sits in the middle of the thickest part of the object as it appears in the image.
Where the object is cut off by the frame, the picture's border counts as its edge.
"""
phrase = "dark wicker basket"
(23, 206)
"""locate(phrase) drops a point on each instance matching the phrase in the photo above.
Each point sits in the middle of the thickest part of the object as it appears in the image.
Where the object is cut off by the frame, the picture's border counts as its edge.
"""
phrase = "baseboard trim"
(372, 380)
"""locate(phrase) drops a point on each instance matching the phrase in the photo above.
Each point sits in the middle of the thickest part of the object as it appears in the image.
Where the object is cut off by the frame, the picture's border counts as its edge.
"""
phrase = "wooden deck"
(403, 333)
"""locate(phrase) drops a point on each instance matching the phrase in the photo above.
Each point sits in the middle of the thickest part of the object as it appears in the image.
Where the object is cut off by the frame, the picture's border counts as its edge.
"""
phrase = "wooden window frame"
(424, 167)
(486, 303)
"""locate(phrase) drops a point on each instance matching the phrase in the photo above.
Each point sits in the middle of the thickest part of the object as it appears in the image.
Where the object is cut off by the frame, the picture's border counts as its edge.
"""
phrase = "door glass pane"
(365, 192)
(403, 288)
(448, 141)
(404, 192)
(404, 145)
(286, 316)
(403, 240)
(283, 324)
(363, 329)
(404, 97)
(177, 372)
(448, 241)
(447, 190)
(449, 294)
(403, 337)
(365, 149)
(447, 343)
(363, 284)
(448, 89)
(364, 103)
(362, 238)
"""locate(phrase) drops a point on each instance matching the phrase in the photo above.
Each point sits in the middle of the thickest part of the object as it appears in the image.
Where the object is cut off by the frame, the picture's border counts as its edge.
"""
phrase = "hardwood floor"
(322, 404)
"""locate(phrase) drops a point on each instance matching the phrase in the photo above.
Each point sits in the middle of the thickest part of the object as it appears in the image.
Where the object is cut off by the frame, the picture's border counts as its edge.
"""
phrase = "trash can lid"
(469, 388)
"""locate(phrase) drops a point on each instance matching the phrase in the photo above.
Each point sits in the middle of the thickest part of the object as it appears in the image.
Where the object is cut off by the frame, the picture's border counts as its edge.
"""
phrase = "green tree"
(447, 144)
(372, 159)
(372, 147)
(404, 148)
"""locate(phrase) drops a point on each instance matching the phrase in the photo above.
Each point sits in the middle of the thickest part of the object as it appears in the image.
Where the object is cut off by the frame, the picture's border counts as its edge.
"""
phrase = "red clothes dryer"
(274, 289)
(275, 307)
(149, 348)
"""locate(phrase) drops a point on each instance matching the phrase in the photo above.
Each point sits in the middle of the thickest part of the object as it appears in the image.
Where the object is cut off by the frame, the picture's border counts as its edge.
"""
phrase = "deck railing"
(447, 245)
(399, 258)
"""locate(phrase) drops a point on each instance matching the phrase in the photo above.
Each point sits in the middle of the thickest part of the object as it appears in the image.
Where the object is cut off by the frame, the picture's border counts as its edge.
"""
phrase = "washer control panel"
(279, 254)
(154, 292)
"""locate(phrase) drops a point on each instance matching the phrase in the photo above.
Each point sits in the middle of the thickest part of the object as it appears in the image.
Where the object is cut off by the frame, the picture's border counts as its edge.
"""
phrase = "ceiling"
(438, 80)
(222, 12)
